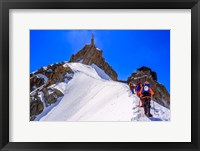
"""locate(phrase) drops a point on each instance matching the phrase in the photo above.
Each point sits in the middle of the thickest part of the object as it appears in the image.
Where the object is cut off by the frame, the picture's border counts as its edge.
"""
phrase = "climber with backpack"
(131, 87)
(137, 89)
(146, 94)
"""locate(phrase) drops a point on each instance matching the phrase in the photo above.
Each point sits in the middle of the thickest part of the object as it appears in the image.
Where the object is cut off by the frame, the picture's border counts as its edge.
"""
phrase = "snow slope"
(159, 112)
(92, 96)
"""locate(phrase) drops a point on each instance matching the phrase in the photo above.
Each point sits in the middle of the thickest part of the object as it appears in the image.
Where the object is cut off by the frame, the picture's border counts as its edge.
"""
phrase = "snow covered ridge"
(78, 92)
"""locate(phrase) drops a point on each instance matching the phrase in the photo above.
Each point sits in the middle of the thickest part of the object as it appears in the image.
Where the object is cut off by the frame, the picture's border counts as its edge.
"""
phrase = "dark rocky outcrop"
(36, 82)
(40, 86)
(52, 74)
(51, 95)
(148, 71)
(144, 73)
(59, 75)
(89, 54)
(36, 107)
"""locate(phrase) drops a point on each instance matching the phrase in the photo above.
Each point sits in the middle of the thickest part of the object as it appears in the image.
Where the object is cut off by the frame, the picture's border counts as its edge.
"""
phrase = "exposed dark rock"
(36, 107)
(58, 93)
(36, 82)
(51, 95)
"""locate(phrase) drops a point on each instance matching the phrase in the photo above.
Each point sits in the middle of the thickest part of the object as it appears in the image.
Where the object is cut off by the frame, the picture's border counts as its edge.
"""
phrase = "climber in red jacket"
(137, 89)
(146, 93)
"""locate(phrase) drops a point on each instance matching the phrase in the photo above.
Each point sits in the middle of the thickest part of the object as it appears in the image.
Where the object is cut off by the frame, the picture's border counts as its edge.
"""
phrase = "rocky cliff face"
(42, 90)
(161, 94)
(92, 55)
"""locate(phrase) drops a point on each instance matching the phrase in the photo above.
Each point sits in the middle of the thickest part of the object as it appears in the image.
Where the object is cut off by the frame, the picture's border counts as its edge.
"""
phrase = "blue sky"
(124, 50)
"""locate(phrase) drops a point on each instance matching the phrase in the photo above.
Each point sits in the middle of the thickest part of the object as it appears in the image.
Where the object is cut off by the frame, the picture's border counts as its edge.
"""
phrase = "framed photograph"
(85, 75)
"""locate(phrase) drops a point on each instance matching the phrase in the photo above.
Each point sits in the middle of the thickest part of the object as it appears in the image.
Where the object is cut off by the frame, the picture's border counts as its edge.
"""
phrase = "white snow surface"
(101, 73)
(89, 97)
(60, 86)
(45, 68)
(159, 112)
(47, 109)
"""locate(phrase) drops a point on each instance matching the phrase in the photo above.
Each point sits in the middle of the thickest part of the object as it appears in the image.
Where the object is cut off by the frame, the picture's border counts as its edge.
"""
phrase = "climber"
(146, 94)
(137, 89)
(131, 87)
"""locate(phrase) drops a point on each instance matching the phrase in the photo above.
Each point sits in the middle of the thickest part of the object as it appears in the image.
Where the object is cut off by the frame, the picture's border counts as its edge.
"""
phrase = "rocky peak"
(147, 71)
(144, 68)
(144, 73)
(90, 54)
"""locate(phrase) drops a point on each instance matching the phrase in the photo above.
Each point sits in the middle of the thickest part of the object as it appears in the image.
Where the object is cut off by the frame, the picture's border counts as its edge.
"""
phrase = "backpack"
(146, 89)
(138, 87)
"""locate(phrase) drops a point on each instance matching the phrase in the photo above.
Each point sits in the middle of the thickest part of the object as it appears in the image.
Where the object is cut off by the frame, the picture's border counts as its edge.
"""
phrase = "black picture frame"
(5, 5)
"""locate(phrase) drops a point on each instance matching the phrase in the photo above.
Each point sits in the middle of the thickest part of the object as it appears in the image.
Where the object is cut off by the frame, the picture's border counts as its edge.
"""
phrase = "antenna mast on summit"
(92, 40)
